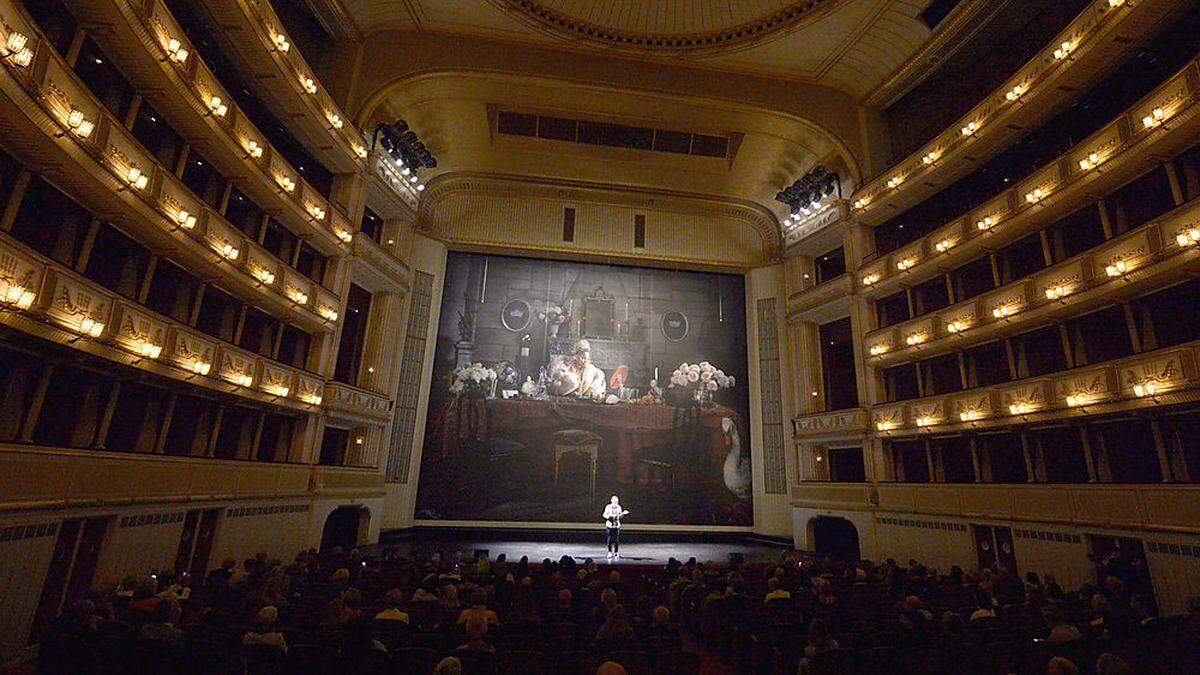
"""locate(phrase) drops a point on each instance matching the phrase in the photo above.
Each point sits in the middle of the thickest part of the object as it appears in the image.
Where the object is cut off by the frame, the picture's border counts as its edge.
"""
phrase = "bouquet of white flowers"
(473, 379)
(699, 381)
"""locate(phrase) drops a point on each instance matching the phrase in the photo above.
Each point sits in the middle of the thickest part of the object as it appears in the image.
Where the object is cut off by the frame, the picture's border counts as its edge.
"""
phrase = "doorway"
(195, 542)
(342, 528)
(834, 538)
(994, 547)
(1125, 559)
(71, 571)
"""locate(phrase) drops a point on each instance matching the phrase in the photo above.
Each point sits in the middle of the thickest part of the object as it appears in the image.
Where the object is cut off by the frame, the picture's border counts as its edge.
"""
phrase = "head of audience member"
(476, 628)
(265, 620)
(608, 600)
(394, 598)
(451, 665)
(564, 598)
(611, 668)
(1061, 666)
(661, 617)
(1111, 664)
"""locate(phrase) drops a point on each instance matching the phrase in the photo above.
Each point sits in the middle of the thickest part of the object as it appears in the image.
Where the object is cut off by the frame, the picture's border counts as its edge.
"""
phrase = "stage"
(637, 548)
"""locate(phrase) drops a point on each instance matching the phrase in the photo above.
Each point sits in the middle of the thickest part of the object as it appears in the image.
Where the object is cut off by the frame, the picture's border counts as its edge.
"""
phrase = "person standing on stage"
(612, 522)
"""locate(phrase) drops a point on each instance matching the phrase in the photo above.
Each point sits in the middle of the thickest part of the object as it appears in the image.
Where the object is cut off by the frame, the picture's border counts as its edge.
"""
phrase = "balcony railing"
(841, 424)
(1164, 376)
(80, 119)
(357, 403)
(1085, 47)
(103, 323)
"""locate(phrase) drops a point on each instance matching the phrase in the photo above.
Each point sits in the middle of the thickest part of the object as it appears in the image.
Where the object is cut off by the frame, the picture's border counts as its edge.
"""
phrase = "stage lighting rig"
(809, 193)
(409, 153)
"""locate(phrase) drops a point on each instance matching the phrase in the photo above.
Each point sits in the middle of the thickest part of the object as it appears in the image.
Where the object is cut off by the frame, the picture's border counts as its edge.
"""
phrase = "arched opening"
(342, 527)
(834, 538)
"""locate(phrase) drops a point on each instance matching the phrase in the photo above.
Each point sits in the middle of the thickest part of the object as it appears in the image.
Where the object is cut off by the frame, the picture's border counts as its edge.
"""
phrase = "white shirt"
(613, 511)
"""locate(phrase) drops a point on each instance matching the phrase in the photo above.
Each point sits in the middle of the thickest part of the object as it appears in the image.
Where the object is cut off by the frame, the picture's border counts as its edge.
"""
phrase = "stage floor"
(633, 551)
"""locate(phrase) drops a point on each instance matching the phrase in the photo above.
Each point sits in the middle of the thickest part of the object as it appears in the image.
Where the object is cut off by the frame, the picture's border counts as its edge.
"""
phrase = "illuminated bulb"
(413, 178)
(970, 128)
(884, 426)
(1115, 3)
(277, 389)
(985, 222)
(405, 170)
(1063, 51)
(264, 275)
(217, 106)
(1003, 311)
(91, 327)
(1034, 196)
(371, 369)
(335, 121)
(930, 157)
(242, 379)
(316, 212)
(1056, 292)
(924, 421)
(19, 296)
(22, 58)
(176, 52)
(254, 149)
(956, 326)
(360, 151)
(185, 219)
(229, 251)
(905, 264)
(969, 415)
(944, 245)
(1145, 389)
(358, 440)
(149, 350)
(870, 279)
(281, 42)
(915, 339)
(1075, 400)
(16, 42)
(1090, 162)
(876, 350)
(1116, 269)
(201, 367)
(859, 203)
(894, 181)
(1188, 237)
(298, 296)
(328, 313)
(345, 235)
(1155, 118)
(420, 187)
(311, 399)
(136, 178)
(308, 84)
(1015, 93)
(82, 126)
(286, 183)
(1019, 408)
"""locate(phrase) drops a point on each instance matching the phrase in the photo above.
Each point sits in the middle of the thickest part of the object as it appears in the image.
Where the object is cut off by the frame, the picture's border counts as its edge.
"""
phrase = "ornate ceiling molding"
(443, 189)
(774, 20)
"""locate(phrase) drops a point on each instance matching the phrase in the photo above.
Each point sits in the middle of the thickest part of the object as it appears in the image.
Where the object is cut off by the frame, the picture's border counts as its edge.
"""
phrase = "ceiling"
(851, 45)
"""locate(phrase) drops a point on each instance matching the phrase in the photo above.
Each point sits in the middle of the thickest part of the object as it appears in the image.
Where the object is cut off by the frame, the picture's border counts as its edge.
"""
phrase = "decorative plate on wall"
(674, 325)
(516, 315)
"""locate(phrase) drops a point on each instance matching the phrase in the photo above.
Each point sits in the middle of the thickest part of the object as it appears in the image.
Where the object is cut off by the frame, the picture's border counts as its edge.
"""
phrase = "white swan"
(737, 466)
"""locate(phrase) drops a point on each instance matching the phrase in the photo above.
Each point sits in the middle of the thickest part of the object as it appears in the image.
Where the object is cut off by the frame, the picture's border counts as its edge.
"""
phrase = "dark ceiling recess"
(937, 11)
(612, 135)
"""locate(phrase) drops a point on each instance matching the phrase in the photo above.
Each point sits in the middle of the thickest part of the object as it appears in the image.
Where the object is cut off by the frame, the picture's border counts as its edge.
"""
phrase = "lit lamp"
(201, 367)
(914, 339)
(359, 150)
(1035, 195)
(79, 124)
(1188, 237)
(286, 183)
(985, 223)
(859, 203)
(253, 149)
(1057, 292)
(176, 52)
(1090, 162)
(345, 235)
(943, 245)
(903, 265)
(149, 350)
(1015, 93)
(264, 275)
(930, 157)
(1147, 388)
(1018, 408)
(308, 84)
(328, 313)
(241, 379)
(1075, 400)
(217, 106)
(15, 50)
(316, 212)
(136, 178)
(878, 349)
(1117, 268)
(297, 296)
(228, 251)
(281, 42)
(186, 220)
(969, 128)
(924, 421)
(885, 425)
(91, 327)
(1003, 311)
(335, 121)
(311, 399)
(1155, 118)
(969, 415)
(895, 181)
(279, 390)
(956, 326)
(1064, 51)
(18, 296)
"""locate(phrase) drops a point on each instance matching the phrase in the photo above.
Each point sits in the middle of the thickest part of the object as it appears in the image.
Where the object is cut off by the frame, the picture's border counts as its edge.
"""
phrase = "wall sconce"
(1018, 408)
(308, 84)
(969, 128)
(253, 149)
(985, 223)
(969, 415)
(914, 339)
(136, 179)
(91, 327)
(328, 313)
(311, 399)
(1064, 51)
(316, 212)
(895, 181)
(1188, 237)
(18, 296)
(149, 350)
(286, 183)
(1117, 268)
(956, 326)
(924, 421)
(358, 440)
(186, 220)
(281, 42)
(1090, 162)
(885, 425)
(297, 296)
(1016, 92)
(345, 235)
(943, 245)
(264, 275)
(1114, 4)
(1003, 311)
(1075, 400)
(176, 52)
(242, 379)
(79, 124)
(201, 367)
(217, 107)
(878, 349)
(904, 265)
(1147, 388)
(359, 150)
(930, 157)
(228, 251)
(335, 121)
(859, 203)
(1035, 195)
(1155, 118)
(1057, 292)
(277, 389)
(15, 51)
